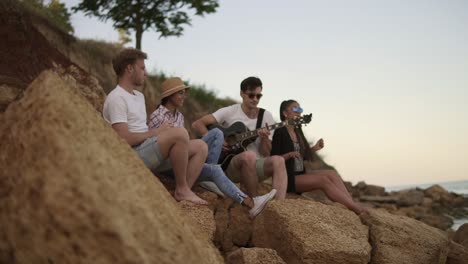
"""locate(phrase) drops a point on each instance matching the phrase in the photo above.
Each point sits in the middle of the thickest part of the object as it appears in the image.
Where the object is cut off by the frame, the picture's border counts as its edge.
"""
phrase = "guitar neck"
(254, 133)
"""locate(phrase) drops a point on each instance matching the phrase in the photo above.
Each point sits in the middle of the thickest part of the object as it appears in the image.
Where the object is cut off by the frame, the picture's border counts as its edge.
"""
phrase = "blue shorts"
(151, 155)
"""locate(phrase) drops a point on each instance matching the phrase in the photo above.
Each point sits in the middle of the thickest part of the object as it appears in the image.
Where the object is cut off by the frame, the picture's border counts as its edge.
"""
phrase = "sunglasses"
(253, 95)
(298, 110)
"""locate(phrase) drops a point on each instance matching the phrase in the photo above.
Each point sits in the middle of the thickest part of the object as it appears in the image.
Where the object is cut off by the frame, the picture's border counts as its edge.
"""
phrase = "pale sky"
(386, 81)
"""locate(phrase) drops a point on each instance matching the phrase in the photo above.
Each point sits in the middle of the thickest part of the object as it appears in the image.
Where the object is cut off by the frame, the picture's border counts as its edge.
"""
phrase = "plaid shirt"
(162, 114)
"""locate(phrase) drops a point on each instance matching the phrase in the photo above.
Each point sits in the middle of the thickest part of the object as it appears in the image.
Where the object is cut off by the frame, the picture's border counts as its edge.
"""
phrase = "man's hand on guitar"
(263, 133)
(226, 147)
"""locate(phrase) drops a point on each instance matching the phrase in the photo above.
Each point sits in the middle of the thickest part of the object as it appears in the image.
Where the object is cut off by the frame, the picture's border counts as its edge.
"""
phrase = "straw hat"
(171, 86)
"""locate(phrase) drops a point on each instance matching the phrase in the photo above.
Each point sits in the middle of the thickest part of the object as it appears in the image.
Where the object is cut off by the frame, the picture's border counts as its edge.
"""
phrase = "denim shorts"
(151, 155)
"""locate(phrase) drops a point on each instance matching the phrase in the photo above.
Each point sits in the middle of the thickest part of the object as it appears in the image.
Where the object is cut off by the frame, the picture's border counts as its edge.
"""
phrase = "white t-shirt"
(121, 106)
(229, 115)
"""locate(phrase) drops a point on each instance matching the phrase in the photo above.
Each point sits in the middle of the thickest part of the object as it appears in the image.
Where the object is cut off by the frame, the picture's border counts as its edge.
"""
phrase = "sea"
(459, 187)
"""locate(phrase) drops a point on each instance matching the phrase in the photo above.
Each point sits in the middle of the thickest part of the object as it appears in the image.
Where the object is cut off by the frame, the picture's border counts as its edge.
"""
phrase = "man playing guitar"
(255, 164)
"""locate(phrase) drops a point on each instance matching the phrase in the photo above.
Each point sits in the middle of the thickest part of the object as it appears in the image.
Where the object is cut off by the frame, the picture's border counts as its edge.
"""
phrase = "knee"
(278, 162)
(200, 145)
(247, 158)
(217, 133)
(179, 134)
(326, 181)
(218, 136)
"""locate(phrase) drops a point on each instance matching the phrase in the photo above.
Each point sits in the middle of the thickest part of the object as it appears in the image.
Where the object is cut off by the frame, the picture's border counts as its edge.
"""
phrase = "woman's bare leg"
(309, 182)
(333, 175)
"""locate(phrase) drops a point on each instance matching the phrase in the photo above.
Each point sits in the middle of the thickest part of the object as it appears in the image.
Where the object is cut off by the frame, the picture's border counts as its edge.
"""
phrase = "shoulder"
(268, 114)
(226, 110)
(115, 96)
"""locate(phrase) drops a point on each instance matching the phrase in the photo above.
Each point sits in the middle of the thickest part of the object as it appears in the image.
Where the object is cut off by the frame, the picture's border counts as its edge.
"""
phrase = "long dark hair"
(303, 143)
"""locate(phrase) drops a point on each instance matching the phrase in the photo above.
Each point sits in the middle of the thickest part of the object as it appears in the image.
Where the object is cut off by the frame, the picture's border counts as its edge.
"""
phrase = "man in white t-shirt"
(255, 164)
(160, 148)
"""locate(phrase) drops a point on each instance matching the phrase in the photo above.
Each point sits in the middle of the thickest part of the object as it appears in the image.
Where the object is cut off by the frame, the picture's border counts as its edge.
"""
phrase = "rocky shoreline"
(72, 191)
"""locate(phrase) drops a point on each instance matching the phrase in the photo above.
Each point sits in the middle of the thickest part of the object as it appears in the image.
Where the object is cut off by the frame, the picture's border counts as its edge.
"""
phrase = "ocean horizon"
(458, 187)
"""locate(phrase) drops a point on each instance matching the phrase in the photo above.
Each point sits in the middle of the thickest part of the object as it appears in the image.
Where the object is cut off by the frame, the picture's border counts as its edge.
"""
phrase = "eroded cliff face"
(72, 191)
(25, 53)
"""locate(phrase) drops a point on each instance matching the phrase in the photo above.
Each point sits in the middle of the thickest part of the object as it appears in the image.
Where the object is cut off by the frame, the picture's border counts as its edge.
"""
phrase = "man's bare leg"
(245, 163)
(173, 143)
(197, 151)
(274, 167)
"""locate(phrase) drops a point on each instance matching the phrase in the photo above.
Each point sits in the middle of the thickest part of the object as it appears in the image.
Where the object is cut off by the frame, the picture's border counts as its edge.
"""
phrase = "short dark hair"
(126, 57)
(250, 83)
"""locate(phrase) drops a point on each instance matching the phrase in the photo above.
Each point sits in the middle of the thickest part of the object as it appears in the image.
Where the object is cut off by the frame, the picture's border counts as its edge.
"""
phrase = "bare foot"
(361, 209)
(189, 196)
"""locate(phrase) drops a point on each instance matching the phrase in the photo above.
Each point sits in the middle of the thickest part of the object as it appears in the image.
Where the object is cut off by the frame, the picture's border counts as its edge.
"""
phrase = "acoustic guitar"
(237, 136)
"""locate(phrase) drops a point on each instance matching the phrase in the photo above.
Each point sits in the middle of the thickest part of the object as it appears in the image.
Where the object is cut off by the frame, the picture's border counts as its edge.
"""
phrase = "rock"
(240, 226)
(318, 196)
(73, 191)
(458, 254)
(378, 199)
(304, 231)
(439, 194)
(427, 202)
(254, 256)
(461, 235)
(410, 198)
(361, 185)
(8, 94)
(402, 240)
(223, 238)
(442, 222)
(416, 212)
(202, 218)
(374, 190)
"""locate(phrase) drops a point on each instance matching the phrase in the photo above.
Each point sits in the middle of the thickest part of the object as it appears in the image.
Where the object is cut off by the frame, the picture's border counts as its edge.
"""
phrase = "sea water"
(459, 187)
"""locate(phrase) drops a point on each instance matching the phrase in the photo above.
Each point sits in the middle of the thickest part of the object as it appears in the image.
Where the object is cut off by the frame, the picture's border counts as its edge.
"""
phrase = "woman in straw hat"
(212, 177)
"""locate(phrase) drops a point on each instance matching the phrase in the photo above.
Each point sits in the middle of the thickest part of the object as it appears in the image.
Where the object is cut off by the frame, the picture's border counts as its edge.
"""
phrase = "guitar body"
(231, 138)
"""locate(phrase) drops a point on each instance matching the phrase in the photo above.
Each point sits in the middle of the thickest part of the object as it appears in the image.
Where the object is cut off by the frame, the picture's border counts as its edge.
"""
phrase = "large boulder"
(73, 191)
(399, 239)
(410, 197)
(438, 194)
(303, 231)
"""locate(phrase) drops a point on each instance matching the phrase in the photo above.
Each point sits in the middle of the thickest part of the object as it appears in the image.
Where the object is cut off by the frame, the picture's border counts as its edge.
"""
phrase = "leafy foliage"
(53, 11)
(165, 16)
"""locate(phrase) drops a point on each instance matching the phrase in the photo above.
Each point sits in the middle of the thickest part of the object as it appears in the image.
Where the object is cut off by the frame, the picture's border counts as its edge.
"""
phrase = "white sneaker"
(211, 186)
(260, 202)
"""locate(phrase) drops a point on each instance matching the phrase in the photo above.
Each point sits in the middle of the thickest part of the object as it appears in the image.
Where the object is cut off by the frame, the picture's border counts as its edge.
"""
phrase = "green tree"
(164, 16)
(124, 36)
